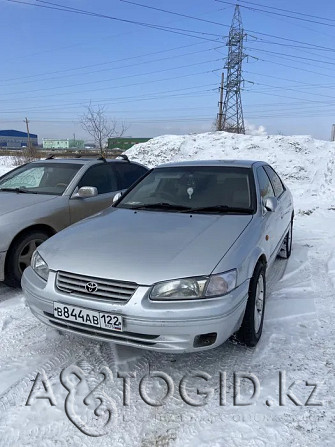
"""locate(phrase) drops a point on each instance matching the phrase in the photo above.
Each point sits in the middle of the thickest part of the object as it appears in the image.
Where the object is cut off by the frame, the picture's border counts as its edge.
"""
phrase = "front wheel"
(251, 329)
(19, 256)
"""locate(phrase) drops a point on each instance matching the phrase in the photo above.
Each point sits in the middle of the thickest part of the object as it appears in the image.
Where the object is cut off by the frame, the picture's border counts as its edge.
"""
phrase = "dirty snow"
(298, 338)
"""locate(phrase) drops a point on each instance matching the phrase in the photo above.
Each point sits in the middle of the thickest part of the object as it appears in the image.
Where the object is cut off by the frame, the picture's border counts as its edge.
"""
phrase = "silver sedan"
(177, 264)
(41, 198)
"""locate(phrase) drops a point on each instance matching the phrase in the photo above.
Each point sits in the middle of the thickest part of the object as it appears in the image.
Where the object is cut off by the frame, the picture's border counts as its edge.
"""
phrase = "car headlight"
(195, 288)
(39, 266)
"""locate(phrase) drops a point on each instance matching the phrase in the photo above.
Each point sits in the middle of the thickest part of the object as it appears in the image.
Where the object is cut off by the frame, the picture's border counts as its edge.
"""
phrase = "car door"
(102, 177)
(284, 202)
(269, 219)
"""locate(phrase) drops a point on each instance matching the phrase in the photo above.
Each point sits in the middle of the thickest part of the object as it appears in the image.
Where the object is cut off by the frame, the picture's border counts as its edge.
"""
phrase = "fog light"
(204, 340)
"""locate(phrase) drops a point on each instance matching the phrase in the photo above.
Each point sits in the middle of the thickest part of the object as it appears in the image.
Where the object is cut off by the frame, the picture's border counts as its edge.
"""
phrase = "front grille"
(119, 291)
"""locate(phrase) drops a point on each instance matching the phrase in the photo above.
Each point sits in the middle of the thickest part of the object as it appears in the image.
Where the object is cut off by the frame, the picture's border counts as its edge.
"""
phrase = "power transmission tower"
(220, 114)
(232, 107)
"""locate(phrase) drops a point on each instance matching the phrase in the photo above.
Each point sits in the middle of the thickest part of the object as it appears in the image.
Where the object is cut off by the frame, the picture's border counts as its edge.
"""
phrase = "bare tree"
(96, 123)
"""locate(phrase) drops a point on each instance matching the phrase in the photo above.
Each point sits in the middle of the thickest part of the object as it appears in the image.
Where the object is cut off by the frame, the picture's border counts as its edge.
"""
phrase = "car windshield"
(204, 189)
(40, 178)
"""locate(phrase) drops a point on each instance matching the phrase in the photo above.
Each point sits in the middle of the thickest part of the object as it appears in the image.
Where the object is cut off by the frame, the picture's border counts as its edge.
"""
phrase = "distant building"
(124, 143)
(52, 143)
(13, 139)
(76, 144)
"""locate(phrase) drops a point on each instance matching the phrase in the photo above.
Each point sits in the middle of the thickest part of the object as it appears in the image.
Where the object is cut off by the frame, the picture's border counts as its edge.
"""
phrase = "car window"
(194, 187)
(29, 178)
(41, 178)
(128, 173)
(100, 176)
(275, 181)
(265, 186)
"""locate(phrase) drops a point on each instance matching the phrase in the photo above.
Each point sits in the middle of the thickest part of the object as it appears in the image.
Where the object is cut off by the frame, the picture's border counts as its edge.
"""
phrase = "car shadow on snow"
(8, 292)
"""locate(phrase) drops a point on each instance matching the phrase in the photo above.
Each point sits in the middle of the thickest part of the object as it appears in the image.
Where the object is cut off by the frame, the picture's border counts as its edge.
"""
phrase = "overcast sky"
(164, 79)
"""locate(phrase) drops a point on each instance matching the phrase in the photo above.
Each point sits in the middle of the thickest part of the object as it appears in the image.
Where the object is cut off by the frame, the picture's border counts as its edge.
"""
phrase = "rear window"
(128, 173)
(265, 186)
(275, 181)
(100, 176)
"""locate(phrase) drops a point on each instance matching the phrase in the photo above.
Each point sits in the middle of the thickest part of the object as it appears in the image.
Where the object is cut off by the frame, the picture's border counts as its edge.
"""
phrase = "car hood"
(13, 201)
(144, 246)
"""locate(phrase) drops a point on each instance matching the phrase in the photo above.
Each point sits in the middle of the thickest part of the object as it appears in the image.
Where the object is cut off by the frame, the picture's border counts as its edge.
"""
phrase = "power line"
(288, 88)
(124, 99)
(278, 14)
(118, 78)
(294, 56)
(296, 68)
(224, 25)
(126, 66)
(174, 13)
(160, 27)
(305, 49)
(173, 30)
(288, 79)
(286, 10)
(128, 85)
(141, 56)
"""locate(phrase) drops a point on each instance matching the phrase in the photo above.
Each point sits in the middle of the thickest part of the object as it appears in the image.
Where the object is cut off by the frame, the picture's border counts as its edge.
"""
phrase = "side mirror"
(117, 197)
(86, 191)
(271, 204)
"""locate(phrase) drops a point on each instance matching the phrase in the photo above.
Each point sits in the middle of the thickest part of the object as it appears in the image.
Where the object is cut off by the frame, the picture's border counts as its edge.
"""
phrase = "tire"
(252, 325)
(286, 249)
(19, 256)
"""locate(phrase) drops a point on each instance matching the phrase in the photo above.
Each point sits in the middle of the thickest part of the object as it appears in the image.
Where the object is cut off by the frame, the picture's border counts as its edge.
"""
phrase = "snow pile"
(6, 163)
(305, 164)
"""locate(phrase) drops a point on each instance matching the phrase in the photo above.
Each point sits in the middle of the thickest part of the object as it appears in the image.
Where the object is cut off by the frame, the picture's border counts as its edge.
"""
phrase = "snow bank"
(6, 163)
(305, 164)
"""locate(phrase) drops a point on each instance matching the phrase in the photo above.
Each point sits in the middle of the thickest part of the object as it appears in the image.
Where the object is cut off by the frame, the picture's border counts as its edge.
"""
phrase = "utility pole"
(232, 108)
(220, 114)
(27, 124)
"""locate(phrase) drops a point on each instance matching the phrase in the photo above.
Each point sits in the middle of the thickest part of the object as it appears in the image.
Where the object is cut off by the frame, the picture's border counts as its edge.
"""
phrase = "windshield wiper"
(18, 190)
(220, 209)
(159, 205)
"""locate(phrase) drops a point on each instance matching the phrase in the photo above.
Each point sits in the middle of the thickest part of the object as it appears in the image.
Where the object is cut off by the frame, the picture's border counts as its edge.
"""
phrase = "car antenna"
(124, 157)
(50, 157)
(78, 156)
(102, 158)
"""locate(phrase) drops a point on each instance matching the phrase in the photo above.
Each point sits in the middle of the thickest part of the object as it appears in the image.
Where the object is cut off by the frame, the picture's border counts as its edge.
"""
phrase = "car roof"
(228, 163)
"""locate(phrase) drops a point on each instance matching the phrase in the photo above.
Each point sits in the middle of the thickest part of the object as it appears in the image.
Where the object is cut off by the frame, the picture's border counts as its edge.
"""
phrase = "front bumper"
(159, 326)
(2, 265)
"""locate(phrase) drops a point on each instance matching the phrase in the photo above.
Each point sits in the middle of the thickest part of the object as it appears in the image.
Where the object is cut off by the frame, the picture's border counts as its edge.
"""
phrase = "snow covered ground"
(297, 342)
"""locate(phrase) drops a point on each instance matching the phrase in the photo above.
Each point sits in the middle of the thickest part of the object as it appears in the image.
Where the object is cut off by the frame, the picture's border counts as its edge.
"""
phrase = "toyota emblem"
(91, 287)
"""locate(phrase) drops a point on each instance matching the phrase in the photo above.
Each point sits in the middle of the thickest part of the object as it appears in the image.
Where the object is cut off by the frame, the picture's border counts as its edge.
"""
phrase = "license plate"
(89, 317)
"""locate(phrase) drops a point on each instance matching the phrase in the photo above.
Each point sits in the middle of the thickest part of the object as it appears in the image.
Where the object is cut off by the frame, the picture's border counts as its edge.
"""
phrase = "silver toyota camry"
(178, 263)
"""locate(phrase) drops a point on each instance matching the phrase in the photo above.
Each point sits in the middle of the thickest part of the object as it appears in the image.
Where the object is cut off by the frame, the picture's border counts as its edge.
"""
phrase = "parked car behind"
(177, 264)
(41, 198)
